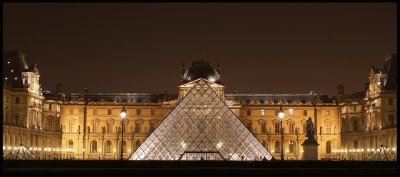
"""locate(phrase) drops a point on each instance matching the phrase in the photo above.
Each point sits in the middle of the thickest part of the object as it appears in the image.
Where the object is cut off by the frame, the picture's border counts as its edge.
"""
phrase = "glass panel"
(201, 127)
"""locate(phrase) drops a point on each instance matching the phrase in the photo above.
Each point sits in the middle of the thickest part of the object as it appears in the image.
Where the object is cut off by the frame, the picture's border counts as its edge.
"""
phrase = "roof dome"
(201, 69)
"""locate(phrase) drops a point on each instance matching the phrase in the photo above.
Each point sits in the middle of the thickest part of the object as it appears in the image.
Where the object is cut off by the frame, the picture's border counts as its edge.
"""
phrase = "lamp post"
(123, 115)
(281, 114)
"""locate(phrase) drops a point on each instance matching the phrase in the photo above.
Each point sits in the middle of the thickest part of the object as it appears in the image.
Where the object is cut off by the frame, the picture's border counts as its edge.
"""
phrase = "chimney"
(340, 92)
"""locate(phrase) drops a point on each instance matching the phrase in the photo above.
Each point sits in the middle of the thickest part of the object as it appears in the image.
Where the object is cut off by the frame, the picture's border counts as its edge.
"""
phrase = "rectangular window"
(94, 127)
(277, 127)
(94, 111)
(109, 127)
(390, 101)
(109, 111)
(304, 112)
(304, 127)
(71, 111)
(291, 127)
(276, 112)
(355, 125)
(263, 127)
(153, 112)
(50, 107)
(354, 108)
(137, 127)
(262, 112)
(290, 112)
(328, 112)
(327, 127)
(138, 112)
(17, 100)
(248, 112)
(71, 127)
(50, 124)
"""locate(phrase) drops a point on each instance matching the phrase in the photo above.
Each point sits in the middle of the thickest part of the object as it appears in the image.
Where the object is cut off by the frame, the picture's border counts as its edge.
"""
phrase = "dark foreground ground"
(197, 168)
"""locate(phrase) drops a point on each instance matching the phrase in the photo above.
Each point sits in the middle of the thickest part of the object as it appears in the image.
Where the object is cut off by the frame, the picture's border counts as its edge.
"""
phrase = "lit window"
(304, 112)
(12, 70)
(291, 112)
(138, 112)
(8, 62)
(262, 112)
(6, 78)
(328, 113)
(15, 78)
(109, 111)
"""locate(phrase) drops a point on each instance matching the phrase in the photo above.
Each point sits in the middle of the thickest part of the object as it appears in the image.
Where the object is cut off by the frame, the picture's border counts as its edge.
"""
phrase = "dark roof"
(356, 95)
(13, 65)
(390, 68)
(279, 98)
(122, 97)
(201, 69)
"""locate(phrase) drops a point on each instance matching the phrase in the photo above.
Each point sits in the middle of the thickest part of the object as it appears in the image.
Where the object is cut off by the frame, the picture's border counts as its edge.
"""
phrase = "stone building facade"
(88, 125)
(26, 117)
(369, 117)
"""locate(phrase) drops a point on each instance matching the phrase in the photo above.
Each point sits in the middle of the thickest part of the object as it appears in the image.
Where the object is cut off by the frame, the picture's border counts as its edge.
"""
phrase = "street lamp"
(123, 115)
(281, 114)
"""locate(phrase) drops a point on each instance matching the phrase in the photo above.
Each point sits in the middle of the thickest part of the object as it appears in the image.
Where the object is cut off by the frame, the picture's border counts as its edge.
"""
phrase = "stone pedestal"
(310, 150)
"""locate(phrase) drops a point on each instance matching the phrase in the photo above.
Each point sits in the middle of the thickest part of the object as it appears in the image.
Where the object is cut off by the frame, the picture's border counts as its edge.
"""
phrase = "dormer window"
(12, 70)
(15, 78)
(8, 62)
(6, 78)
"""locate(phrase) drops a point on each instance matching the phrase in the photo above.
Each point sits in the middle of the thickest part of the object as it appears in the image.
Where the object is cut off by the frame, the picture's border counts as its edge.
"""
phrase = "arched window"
(277, 146)
(108, 146)
(328, 147)
(93, 146)
(291, 147)
(70, 144)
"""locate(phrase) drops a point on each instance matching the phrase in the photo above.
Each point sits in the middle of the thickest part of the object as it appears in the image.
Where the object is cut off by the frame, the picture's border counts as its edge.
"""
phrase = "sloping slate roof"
(13, 65)
(390, 68)
(275, 98)
(122, 97)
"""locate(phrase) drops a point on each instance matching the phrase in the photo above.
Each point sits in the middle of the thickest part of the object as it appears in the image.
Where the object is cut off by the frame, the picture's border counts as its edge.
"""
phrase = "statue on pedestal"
(310, 132)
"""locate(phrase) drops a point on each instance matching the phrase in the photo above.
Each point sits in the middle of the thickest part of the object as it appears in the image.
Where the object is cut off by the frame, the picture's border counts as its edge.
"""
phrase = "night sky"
(263, 48)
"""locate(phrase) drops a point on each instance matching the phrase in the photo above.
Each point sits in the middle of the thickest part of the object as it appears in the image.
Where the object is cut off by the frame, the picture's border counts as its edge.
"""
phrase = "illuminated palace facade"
(88, 125)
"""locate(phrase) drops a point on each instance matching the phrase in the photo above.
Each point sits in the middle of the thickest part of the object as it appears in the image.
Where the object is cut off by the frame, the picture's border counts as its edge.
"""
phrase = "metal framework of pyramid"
(201, 127)
(382, 154)
(20, 153)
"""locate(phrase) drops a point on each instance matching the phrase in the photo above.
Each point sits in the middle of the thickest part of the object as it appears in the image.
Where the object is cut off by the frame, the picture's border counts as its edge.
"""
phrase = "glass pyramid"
(201, 127)
(20, 153)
